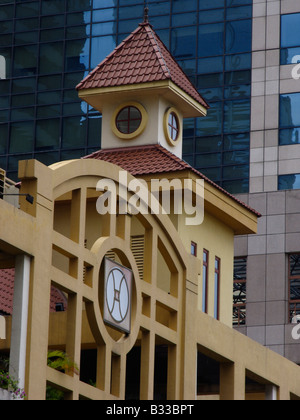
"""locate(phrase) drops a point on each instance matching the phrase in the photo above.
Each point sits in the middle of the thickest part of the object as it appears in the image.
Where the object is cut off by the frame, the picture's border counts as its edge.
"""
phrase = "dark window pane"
(238, 77)
(47, 158)
(208, 4)
(289, 182)
(188, 146)
(208, 144)
(77, 55)
(289, 55)
(101, 47)
(51, 58)
(52, 7)
(210, 65)
(183, 42)
(210, 80)
(238, 36)
(235, 172)
(236, 187)
(27, 9)
(237, 141)
(187, 5)
(289, 136)
(237, 92)
(49, 83)
(47, 134)
(74, 132)
(3, 137)
(95, 125)
(211, 16)
(22, 114)
(237, 116)
(237, 62)
(238, 157)
(23, 85)
(26, 24)
(242, 12)
(48, 111)
(21, 137)
(23, 100)
(6, 12)
(211, 39)
(212, 123)
(289, 110)
(206, 160)
(212, 173)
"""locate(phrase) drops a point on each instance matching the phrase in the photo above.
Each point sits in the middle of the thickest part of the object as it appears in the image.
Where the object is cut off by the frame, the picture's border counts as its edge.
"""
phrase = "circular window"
(172, 126)
(129, 120)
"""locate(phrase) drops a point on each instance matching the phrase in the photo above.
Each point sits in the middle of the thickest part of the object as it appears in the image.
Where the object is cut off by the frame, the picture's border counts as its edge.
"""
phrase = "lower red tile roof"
(151, 160)
(7, 280)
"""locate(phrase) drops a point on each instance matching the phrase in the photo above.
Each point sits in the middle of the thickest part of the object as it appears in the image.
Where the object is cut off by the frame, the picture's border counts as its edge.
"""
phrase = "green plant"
(11, 384)
(60, 361)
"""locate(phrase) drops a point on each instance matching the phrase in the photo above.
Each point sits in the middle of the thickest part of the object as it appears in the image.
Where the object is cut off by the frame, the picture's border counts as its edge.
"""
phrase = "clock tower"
(142, 93)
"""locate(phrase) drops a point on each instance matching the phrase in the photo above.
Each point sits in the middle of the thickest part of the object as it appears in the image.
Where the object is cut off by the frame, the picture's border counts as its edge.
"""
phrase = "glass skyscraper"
(48, 46)
(242, 55)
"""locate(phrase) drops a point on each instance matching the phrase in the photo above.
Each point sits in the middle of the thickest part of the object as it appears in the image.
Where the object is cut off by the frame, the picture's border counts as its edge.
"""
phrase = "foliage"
(60, 361)
(11, 384)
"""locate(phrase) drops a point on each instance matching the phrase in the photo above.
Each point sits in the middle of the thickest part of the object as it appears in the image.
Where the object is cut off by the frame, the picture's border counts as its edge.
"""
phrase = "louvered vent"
(111, 255)
(137, 248)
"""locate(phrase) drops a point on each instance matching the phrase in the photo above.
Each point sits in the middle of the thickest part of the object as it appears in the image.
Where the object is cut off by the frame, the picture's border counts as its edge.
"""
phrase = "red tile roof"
(140, 58)
(151, 160)
(7, 281)
(6, 291)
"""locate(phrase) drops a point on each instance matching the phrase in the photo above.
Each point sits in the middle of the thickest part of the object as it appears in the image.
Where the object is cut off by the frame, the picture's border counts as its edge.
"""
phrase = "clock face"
(117, 296)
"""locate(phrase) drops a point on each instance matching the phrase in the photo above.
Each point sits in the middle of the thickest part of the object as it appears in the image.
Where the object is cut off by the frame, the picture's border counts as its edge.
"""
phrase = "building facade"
(242, 55)
(48, 46)
(133, 283)
(272, 257)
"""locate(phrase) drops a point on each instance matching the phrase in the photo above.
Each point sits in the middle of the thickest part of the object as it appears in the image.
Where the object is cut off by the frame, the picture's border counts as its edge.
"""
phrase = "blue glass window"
(184, 6)
(289, 182)
(238, 36)
(208, 4)
(211, 39)
(237, 116)
(212, 123)
(290, 38)
(183, 42)
(289, 119)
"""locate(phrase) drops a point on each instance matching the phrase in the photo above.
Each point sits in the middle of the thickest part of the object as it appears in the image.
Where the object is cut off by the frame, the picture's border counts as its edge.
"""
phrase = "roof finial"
(146, 14)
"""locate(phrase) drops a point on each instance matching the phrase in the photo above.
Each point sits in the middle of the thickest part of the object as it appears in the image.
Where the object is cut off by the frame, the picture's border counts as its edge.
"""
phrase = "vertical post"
(271, 393)
(232, 382)
(2, 328)
(20, 319)
(147, 365)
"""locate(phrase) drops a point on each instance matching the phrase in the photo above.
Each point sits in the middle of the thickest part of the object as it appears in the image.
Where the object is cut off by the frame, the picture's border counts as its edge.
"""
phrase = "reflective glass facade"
(48, 46)
(290, 38)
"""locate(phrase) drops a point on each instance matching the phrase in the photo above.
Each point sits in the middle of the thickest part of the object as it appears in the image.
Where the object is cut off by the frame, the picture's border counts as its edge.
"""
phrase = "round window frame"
(166, 127)
(139, 130)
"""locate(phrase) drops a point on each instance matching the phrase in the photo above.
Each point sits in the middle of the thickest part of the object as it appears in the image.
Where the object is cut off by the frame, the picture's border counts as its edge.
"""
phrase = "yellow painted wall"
(217, 238)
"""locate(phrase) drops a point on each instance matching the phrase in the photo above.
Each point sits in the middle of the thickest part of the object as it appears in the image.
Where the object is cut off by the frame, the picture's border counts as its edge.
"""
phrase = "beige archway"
(81, 239)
